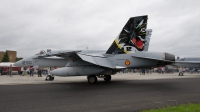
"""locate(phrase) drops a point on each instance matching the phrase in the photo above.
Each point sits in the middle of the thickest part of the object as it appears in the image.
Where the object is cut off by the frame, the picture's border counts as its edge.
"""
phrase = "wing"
(95, 59)
(67, 54)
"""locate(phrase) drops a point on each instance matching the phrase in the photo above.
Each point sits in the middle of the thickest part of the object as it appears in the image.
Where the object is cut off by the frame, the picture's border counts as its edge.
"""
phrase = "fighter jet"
(128, 51)
(187, 62)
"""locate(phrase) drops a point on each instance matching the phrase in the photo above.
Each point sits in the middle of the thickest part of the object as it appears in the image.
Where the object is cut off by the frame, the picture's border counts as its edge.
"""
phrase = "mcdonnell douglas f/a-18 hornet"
(128, 51)
(189, 62)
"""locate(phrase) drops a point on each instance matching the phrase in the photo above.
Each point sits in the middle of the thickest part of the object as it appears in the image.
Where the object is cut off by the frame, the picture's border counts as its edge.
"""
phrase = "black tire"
(181, 74)
(92, 79)
(48, 77)
(52, 78)
(107, 78)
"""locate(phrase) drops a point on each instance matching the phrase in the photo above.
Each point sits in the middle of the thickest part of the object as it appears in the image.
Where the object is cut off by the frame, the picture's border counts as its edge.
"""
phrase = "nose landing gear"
(49, 78)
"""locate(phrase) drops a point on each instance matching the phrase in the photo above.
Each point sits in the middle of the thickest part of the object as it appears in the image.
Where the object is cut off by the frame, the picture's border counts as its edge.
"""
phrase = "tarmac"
(129, 92)
(17, 79)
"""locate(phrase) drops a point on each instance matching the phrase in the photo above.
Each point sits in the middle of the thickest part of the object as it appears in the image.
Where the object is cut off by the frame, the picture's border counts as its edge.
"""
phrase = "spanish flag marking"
(127, 62)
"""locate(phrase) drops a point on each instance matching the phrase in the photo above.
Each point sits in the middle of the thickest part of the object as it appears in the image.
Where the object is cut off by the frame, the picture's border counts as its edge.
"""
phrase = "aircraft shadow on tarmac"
(137, 85)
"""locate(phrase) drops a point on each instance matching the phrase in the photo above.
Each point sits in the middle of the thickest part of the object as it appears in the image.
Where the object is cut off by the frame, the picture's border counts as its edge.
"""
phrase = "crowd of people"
(9, 70)
(160, 70)
(24, 71)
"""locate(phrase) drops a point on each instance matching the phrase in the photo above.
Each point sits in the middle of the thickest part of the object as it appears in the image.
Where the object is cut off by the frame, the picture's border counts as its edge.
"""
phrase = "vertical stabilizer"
(147, 38)
(133, 37)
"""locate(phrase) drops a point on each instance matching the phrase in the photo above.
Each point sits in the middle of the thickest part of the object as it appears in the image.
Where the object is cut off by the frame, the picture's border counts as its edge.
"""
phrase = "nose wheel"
(49, 78)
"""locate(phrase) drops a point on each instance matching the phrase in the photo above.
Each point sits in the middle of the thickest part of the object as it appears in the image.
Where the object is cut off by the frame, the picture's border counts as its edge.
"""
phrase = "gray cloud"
(29, 26)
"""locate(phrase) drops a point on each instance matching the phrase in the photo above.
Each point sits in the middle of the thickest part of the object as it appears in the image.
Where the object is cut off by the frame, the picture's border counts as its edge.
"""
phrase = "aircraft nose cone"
(18, 64)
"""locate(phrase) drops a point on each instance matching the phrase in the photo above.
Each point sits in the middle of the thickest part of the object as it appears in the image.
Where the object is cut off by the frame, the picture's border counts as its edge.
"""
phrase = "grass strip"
(190, 107)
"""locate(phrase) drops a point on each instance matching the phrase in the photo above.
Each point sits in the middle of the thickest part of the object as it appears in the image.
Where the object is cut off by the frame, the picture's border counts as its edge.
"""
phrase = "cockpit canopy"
(45, 51)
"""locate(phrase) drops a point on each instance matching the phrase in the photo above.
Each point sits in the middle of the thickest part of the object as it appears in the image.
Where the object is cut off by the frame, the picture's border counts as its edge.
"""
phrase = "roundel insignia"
(127, 62)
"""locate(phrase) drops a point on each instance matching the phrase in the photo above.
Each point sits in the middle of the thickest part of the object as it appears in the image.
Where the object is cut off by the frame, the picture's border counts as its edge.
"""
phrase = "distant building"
(12, 55)
(1, 55)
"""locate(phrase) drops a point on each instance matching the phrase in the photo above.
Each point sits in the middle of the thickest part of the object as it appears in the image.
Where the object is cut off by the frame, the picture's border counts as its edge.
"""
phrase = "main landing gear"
(92, 79)
(107, 78)
(180, 73)
(49, 78)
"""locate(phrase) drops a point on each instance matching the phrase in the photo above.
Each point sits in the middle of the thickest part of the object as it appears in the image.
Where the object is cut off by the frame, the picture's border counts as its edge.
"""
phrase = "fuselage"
(109, 64)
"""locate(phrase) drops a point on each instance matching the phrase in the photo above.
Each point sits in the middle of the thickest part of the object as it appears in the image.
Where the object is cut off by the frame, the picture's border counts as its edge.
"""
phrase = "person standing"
(0, 71)
(10, 70)
(39, 72)
(163, 70)
(143, 71)
(19, 71)
(28, 70)
(31, 71)
(22, 70)
(25, 73)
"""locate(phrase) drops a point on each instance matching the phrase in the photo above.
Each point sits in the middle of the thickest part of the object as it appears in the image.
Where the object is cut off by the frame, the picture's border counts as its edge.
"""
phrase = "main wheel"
(52, 78)
(107, 78)
(92, 79)
(181, 74)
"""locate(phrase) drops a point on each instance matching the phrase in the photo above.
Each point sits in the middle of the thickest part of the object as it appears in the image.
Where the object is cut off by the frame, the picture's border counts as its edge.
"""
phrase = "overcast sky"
(28, 26)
